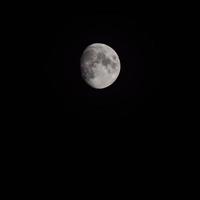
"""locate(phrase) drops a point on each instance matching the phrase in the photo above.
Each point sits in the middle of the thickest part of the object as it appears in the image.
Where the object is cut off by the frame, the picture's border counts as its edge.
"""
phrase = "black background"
(120, 125)
(77, 128)
(64, 118)
(59, 41)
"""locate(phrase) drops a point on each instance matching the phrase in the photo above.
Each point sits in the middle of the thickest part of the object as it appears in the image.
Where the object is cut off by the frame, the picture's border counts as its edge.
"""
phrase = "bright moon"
(100, 65)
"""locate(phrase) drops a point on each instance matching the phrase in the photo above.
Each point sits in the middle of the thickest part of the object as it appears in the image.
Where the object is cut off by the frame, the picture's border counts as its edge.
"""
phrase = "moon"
(100, 65)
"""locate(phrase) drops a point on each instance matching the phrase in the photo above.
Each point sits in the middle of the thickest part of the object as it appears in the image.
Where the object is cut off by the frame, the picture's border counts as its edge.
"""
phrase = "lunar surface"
(100, 65)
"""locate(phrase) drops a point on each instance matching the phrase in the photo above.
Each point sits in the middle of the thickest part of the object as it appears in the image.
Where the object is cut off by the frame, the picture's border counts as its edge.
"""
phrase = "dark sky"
(59, 116)
(61, 121)
(59, 91)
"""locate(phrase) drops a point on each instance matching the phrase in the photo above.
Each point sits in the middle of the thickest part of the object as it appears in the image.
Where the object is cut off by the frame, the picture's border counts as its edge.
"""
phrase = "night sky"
(61, 121)
(60, 92)
(62, 127)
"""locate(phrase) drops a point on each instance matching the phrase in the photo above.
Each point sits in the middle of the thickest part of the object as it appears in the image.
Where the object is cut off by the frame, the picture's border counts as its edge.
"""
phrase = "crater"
(114, 57)
(88, 55)
(88, 72)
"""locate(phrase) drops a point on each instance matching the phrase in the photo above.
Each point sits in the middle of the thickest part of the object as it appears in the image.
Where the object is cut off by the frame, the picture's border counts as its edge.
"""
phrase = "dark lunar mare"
(106, 61)
(103, 59)
(114, 65)
(114, 57)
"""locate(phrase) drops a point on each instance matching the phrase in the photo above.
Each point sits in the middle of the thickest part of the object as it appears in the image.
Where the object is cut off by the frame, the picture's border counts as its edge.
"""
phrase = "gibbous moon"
(100, 65)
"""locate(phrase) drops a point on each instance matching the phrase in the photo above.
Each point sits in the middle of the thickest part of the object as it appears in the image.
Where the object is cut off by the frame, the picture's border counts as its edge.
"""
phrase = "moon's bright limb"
(100, 65)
